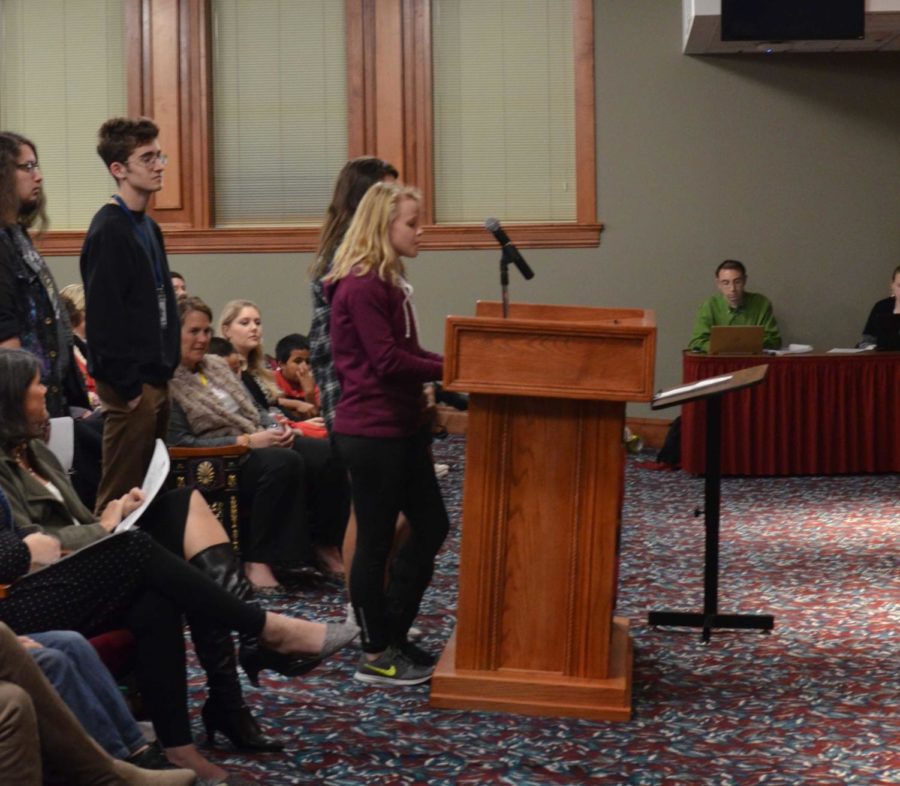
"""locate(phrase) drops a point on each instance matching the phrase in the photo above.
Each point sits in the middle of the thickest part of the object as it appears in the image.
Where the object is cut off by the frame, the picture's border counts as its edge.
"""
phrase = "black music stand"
(712, 391)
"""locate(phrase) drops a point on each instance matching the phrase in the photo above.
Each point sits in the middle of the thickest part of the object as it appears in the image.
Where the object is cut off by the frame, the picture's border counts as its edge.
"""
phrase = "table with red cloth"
(816, 414)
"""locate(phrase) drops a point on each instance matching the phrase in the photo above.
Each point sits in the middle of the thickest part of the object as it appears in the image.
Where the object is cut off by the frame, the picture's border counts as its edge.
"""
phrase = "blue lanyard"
(142, 233)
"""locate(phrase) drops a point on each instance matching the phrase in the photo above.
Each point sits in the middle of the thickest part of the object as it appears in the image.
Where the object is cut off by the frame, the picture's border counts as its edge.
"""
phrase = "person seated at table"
(882, 325)
(39, 735)
(298, 498)
(294, 375)
(734, 305)
(93, 590)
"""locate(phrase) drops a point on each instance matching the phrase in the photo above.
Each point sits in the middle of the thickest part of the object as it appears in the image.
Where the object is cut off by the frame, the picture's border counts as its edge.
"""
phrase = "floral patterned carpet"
(814, 703)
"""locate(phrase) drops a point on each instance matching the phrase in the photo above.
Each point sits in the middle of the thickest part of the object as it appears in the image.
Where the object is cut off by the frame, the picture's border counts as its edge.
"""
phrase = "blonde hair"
(75, 294)
(367, 245)
(256, 358)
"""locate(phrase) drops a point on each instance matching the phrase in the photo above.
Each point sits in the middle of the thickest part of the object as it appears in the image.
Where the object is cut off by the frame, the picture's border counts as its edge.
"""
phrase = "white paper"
(156, 475)
(848, 350)
(790, 349)
(703, 383)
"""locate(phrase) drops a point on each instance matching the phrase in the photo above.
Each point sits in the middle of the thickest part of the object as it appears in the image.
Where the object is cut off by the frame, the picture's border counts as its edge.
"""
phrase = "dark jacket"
(35, 509)
(127, 344)
(878, 320)
(377, 357)
(28, 311)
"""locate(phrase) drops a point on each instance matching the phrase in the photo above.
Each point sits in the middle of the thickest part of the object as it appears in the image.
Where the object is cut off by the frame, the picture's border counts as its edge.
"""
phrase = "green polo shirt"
(755, 310)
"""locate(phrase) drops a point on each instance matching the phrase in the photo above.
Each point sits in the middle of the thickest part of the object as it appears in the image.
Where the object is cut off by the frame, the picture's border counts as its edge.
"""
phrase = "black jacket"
(127, 344)
(28, 312)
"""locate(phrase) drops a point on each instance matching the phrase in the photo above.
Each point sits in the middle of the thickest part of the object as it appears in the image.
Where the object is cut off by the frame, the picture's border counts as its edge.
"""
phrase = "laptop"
(736, 339)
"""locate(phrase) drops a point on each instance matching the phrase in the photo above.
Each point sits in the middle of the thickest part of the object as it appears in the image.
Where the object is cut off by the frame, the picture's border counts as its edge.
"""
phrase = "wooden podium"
(544, 481)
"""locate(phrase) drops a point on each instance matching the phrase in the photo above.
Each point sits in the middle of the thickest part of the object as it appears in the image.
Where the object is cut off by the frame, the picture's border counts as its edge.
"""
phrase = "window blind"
(280, 109)
(504, 110)
(62, 74)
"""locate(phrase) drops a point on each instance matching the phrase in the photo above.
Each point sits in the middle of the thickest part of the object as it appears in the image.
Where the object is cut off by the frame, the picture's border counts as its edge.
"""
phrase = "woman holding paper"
(121, 574)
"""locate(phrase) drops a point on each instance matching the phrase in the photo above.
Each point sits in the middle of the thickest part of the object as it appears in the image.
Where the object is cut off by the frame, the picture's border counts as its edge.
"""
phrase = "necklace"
(20, 456)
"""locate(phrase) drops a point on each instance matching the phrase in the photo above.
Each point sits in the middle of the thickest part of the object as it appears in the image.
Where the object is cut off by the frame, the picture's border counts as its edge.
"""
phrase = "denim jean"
(75, 670)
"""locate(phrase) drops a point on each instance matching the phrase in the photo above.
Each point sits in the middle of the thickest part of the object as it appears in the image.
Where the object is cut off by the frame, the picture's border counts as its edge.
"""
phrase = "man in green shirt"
(734, 306)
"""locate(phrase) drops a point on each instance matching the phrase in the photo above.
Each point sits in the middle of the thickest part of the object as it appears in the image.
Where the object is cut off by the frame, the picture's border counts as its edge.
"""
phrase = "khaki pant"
(36, 727)
(128, 438)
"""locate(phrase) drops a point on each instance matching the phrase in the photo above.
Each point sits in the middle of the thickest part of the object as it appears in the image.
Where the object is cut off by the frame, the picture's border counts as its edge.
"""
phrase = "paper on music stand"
(156, 475)
(703, 383)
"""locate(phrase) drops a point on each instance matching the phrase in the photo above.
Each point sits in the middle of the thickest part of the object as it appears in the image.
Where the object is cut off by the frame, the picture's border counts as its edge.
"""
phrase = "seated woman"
(130, 580)
(72, 297)
(298, 498)
(883, 323)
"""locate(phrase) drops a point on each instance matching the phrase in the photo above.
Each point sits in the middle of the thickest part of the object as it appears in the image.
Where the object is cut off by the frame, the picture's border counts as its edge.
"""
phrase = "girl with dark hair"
(135, 581)
(354, 179)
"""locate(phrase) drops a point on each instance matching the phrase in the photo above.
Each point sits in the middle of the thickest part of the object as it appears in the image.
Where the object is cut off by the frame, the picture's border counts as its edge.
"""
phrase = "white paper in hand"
(156, 475)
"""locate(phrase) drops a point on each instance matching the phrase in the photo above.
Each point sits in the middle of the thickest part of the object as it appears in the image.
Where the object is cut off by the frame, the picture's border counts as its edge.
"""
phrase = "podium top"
(547, 351)
(629, 317)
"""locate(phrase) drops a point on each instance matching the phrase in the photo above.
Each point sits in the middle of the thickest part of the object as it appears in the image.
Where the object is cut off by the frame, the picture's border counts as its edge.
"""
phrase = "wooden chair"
(215, 473)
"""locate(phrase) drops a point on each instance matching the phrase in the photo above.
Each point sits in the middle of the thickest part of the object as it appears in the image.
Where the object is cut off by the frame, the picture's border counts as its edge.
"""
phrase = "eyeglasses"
(149, 160)
(29, 167)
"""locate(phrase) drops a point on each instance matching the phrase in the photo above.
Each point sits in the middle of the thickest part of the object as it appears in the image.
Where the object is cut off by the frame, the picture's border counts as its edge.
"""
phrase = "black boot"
(224, 710)
(221, 564)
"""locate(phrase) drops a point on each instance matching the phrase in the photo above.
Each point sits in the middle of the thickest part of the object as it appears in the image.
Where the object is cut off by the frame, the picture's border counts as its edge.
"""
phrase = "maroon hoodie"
(377, 357)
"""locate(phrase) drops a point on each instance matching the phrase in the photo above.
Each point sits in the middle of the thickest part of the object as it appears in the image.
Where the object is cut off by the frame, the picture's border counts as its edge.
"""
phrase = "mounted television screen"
(792, 20)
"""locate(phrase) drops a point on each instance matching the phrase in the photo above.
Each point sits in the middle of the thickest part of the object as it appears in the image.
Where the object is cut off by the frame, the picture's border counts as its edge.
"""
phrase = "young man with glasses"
(133, 330)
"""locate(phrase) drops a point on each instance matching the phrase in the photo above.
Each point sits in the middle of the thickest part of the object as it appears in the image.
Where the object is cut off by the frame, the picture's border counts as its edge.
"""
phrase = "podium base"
(526, 692)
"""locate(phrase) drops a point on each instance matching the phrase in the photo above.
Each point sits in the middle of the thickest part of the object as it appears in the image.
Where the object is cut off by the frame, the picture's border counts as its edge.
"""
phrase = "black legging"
(387, 477)
(129, 580)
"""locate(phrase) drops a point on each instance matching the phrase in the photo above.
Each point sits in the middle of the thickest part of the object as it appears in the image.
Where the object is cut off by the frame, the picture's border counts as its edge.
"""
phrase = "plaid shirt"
(320, 355)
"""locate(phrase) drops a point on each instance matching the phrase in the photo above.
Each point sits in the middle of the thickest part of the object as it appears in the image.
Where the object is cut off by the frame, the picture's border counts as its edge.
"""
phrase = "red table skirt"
(813, 415)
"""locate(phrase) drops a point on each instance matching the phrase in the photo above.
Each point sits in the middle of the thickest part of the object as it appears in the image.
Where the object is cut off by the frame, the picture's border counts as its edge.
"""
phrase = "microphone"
(492, 225)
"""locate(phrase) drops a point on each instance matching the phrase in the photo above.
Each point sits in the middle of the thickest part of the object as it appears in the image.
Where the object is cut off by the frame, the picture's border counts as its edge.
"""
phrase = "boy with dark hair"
(294, 375)
(133, 328)
(179, 283)
(225, 349)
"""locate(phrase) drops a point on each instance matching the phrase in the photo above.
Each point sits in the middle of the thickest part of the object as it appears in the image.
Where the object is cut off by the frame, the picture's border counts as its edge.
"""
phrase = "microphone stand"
(504, 281)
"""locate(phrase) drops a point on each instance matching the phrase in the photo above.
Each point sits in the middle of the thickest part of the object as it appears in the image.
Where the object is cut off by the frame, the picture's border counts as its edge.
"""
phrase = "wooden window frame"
(169, 64)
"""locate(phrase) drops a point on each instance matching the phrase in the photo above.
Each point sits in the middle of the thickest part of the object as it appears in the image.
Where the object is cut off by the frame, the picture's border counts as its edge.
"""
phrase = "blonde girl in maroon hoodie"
(378, 429)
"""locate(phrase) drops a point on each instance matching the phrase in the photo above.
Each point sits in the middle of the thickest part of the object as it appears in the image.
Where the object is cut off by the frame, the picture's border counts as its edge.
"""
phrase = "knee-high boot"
(224, 710)
(221, 564)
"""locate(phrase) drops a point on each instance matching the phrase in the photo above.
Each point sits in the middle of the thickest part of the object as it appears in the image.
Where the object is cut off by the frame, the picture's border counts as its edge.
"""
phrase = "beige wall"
(789, 163)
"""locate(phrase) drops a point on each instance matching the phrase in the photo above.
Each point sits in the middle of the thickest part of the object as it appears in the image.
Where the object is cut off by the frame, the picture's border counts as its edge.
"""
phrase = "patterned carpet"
(817, 702)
